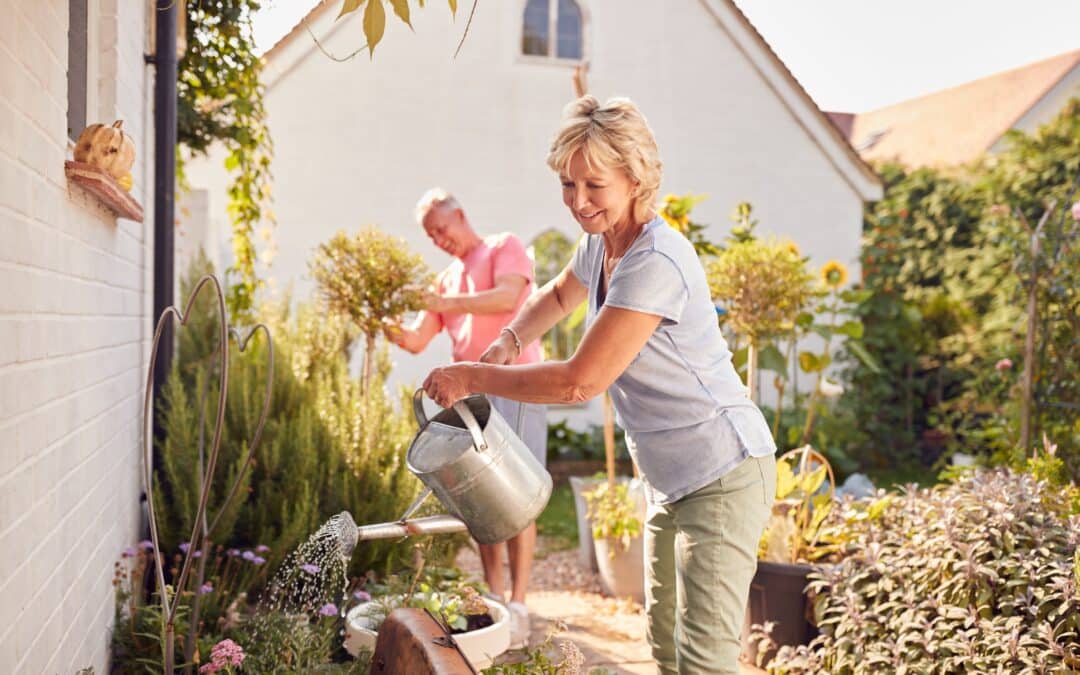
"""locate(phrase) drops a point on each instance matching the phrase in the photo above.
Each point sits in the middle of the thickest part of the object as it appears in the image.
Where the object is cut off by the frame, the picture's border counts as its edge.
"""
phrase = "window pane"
(569, 30)
(534, 36)
(76, 76)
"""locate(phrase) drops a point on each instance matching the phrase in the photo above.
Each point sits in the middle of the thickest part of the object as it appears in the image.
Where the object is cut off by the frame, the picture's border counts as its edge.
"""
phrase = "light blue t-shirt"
(686, 412)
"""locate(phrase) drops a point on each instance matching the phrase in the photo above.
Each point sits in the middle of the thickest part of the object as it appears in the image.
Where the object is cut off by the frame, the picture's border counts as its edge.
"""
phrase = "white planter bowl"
(479, 646)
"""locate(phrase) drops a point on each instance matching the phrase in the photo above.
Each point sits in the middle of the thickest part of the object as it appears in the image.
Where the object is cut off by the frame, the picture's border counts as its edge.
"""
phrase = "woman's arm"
(544, 308)
(607, 348)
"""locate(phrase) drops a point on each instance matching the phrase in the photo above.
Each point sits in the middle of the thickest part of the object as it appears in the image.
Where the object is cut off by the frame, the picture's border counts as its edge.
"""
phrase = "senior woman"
(703, 448)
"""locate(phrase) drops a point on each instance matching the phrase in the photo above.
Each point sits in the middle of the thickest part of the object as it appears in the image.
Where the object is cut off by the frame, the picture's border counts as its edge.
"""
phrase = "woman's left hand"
(448, 385)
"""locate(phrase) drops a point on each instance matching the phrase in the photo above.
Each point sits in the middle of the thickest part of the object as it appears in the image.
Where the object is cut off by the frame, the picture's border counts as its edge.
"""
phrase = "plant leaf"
(809, 362)
(852, 329)
(453, 8)
(860, 353)
(771, 358)
(401, 8)
(374, 25)
(349, 6)
(577, 316)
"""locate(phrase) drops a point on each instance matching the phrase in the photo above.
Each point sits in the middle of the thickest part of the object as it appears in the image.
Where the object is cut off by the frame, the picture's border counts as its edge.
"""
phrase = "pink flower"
(129, 552)
(225, 653)
(206, 588)
(362, 596)
(1076, 211)
(1003, 364)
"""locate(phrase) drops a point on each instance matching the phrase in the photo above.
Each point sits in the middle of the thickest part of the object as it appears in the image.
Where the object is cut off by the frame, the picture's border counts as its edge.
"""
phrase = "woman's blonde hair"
(614, 136)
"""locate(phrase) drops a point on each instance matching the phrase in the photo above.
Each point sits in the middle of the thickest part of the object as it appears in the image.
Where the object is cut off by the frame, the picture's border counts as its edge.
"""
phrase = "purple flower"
(310, 569)
(262, 548)
(225, 653)
(196, 554)
(184, 547)
(233, 552)
(362, 596)
(329, 609)
(206, 588)
(258, 560)
(248, 555)
(146, 545)
(129, 552)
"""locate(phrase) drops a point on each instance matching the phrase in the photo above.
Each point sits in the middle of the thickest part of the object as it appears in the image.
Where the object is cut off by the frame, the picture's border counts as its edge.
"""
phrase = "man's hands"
(448, 385)
(502, 351)
(434, 302)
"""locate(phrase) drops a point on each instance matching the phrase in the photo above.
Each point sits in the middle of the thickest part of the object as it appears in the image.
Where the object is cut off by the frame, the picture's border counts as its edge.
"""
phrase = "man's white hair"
(436, 197)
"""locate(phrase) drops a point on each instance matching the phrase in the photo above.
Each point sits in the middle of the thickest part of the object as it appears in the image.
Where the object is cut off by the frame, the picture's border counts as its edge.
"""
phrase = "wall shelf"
(103, 186)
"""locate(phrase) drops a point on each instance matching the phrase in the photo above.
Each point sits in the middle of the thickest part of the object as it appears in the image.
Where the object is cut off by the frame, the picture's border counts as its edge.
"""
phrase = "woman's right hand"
(501, 352)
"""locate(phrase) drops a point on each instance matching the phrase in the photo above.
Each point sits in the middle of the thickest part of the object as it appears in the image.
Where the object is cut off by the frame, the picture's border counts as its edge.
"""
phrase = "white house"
(358, 141)
(75, 303)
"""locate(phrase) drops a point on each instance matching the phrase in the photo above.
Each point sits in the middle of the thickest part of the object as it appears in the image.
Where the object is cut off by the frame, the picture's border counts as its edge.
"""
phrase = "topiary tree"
(368, 278)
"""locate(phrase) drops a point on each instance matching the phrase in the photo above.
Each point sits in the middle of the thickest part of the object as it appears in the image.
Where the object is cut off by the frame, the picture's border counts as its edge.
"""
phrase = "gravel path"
(565, 598)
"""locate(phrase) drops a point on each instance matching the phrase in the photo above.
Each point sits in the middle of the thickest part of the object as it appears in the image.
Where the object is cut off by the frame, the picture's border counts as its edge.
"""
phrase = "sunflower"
(834, 274)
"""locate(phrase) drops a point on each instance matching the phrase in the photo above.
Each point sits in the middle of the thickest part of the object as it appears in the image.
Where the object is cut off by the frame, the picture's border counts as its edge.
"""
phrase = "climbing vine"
(220, 99)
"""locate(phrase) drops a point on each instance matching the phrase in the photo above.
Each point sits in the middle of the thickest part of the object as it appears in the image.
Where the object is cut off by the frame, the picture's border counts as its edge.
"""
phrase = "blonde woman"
(703, 448)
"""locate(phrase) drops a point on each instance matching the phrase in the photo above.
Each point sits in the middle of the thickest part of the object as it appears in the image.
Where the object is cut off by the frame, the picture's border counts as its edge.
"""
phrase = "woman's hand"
(448, 385)
(502, 351)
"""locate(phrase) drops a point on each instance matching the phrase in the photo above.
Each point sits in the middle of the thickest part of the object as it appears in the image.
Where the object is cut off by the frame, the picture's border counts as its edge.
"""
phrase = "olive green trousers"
(700, 557)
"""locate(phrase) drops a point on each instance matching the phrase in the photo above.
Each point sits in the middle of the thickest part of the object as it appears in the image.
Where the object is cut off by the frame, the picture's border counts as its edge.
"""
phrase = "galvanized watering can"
(478, 467)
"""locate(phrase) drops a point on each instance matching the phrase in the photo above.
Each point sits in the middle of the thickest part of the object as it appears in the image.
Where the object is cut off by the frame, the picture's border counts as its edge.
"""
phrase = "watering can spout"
(441, 524)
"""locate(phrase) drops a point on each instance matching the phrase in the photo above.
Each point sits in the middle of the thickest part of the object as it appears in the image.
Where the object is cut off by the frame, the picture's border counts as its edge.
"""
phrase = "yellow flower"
(793, 248)
(668, 198)
(834, 274)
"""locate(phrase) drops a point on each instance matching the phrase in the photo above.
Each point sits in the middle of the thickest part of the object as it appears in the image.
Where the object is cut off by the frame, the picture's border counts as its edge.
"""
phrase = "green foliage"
(326, 448)
(793, 533)
(613, 514)
(552, 251)
(566, 443)
(762, 285)
(220, 99)
(558, 522)
(945, 259)
(977, 576)
(367, 279)
(541, 660)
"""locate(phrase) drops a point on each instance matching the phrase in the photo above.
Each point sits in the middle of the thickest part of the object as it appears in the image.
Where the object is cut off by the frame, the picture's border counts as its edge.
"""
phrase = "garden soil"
(564, 599)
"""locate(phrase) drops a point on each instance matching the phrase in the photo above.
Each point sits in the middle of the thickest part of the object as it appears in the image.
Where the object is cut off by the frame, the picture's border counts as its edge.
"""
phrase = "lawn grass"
(558, 522)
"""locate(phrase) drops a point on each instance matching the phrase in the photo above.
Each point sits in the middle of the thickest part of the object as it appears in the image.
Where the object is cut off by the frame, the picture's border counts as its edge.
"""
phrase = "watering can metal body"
(479, 468)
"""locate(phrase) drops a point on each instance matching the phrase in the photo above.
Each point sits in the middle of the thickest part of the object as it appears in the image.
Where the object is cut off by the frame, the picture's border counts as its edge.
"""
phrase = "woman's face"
(599, 197)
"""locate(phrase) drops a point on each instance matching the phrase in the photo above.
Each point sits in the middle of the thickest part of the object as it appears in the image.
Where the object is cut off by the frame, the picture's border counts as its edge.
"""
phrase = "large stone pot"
(778, 594)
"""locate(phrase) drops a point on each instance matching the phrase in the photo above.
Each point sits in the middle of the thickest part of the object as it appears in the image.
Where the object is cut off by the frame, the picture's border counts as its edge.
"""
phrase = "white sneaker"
(519, 625)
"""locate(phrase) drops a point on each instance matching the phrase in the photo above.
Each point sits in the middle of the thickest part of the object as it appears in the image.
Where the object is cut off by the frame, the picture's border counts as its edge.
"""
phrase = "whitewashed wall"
(358, 142)
(74, 307)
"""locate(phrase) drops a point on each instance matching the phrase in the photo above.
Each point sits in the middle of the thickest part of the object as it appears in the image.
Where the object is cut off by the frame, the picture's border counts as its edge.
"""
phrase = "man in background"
(474, 299)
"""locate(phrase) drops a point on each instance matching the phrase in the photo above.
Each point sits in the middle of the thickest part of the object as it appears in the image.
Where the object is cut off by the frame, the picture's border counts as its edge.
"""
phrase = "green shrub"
(325, 448)
(976, 576)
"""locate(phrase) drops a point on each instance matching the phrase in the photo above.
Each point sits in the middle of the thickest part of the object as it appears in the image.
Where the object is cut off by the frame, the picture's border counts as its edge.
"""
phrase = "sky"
(858, 55)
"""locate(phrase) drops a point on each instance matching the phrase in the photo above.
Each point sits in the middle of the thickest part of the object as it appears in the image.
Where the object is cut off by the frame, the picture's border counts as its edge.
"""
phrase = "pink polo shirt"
(496, 256)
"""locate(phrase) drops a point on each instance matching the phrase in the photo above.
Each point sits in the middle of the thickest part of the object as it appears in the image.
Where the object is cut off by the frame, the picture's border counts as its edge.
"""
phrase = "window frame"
(553, 36)
(92, 61)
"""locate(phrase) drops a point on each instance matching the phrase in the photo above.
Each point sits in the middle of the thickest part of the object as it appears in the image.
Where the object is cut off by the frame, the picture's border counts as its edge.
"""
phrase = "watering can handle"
(463, 412)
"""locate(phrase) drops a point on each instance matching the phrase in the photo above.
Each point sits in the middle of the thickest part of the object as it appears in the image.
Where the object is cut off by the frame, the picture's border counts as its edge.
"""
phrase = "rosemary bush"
(980, 575)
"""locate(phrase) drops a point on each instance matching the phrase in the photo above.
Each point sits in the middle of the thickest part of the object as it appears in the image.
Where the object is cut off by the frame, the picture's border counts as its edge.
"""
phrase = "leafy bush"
(326, 448)
(945, 257)
(613, 515)
(566, 443)
(981, 575)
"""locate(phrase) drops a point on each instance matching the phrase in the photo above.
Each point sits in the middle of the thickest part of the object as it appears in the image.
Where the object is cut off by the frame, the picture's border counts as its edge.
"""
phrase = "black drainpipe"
(165, 65)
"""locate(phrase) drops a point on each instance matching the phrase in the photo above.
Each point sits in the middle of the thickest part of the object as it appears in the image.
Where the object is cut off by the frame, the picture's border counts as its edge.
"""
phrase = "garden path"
(609, 632)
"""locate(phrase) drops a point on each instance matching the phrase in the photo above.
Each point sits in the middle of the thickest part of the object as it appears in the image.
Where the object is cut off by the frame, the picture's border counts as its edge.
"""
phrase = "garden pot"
(579, 485)
(622, 571)
(479, 646)
(778, 594)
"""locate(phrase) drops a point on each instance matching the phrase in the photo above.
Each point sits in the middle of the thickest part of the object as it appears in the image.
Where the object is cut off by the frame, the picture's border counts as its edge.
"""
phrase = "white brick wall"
(74, 325)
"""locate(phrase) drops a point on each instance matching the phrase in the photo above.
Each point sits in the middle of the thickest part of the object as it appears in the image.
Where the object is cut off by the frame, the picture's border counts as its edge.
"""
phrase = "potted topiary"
(616, 518)
(790, 549)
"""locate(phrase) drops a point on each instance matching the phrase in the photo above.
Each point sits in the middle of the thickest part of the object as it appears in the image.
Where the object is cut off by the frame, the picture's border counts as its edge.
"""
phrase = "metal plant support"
(199, 539)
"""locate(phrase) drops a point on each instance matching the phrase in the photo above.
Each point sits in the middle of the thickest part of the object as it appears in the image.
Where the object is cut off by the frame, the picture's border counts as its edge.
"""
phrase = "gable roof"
(956, 125)
(822, 130)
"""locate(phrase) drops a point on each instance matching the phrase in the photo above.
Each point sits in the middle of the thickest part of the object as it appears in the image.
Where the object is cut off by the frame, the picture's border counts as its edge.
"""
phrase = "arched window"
(546, 18)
